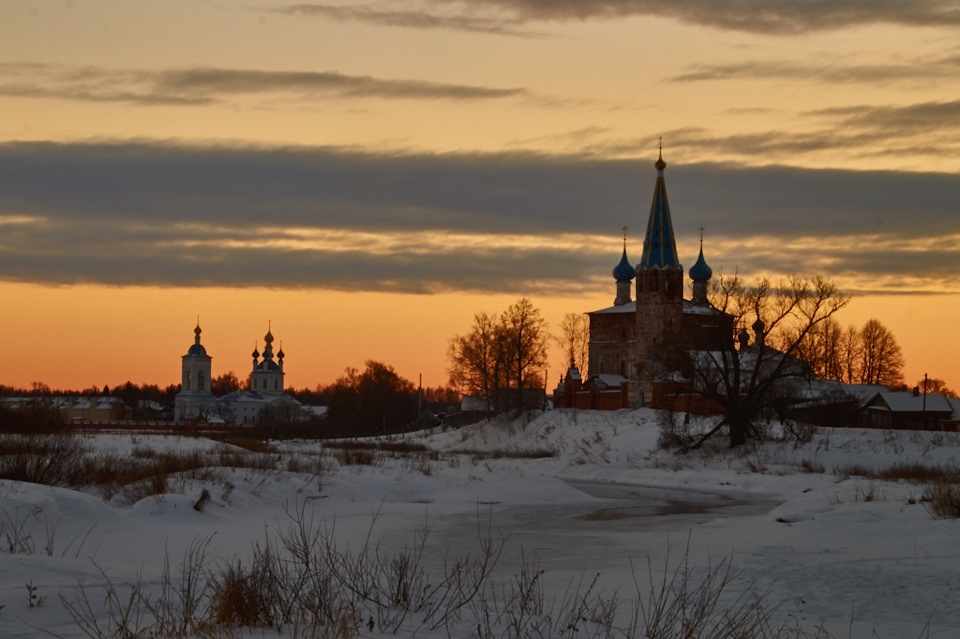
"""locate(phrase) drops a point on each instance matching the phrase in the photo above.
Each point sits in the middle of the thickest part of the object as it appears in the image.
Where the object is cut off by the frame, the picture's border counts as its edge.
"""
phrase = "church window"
(601, 367)
(200, 381)
(276, 384)
(189, 380)
(655, 281)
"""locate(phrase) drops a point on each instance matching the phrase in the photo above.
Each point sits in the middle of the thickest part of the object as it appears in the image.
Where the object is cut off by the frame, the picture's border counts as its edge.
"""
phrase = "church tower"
(195, 397)
(267, 375)
(659, 295)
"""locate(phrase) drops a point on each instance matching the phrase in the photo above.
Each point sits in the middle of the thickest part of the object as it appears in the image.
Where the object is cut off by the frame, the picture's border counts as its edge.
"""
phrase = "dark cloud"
(125, 214)
(204, 85)
(411, 18)
(833, 73)
(929, 129)
(905, 120)
(786, 17)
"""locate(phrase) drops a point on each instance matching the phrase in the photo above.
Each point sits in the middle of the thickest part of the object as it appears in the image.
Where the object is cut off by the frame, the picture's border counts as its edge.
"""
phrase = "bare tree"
(881, 360)
(742, 384)
(574, 339)
(851, 348)
(500, 353)
(477, 359)
(525, 338)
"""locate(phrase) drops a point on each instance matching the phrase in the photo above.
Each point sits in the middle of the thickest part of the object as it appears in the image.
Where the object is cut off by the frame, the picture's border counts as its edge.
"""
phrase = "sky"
(362, 178)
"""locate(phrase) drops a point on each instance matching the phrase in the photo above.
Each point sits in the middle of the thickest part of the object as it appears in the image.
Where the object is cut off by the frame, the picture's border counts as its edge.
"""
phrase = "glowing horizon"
(368, 177)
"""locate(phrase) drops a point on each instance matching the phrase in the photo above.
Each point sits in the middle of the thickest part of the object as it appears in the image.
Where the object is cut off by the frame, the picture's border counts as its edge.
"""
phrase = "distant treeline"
(375, 400)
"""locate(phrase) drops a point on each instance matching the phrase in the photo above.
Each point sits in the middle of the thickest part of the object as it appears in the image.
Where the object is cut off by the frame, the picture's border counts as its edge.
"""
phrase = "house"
(910, 410)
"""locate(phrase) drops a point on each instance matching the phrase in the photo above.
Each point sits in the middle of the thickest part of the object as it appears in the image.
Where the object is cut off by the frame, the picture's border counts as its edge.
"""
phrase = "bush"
(942, 500)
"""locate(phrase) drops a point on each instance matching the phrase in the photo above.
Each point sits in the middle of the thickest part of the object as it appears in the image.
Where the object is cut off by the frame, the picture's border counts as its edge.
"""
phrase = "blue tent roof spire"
(659, 245)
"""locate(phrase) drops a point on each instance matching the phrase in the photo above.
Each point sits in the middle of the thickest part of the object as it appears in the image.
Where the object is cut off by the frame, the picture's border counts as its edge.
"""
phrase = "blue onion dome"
(700, 272)
(624, 271)
(197, 349)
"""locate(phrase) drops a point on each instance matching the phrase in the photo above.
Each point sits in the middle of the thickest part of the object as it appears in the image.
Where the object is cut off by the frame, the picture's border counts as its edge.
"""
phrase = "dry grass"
(910, 472)
(298, 583)
(506, 453)
(942, 500)
(63, 460)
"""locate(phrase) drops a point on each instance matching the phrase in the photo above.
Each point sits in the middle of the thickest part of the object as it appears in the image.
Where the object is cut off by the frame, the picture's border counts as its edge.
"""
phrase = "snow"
(582, 491)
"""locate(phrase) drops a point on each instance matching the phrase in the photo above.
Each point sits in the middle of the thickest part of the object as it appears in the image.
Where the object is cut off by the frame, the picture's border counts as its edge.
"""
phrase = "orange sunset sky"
(366, 176)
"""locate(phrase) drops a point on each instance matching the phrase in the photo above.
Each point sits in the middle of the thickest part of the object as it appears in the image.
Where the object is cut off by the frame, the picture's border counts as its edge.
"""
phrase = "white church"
(265, 397)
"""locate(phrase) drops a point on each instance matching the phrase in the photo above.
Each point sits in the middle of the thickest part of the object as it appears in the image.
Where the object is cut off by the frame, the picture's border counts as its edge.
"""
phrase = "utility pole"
(923, 415)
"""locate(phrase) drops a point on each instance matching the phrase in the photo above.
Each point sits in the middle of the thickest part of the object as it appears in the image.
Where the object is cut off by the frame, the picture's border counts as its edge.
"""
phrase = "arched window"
(189, 381)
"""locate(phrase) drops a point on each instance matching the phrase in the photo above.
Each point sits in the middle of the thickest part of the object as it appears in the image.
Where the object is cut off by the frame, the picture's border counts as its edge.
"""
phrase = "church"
(637, 342)
(264, 398)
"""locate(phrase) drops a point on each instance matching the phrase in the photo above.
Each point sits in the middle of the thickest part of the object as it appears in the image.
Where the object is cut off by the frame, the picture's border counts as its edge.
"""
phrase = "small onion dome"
(197, 330)
(660, 164)
(758, 326)
(701, 272)
(255, 353)
(624, 271)
(268, 338)
(280, 354)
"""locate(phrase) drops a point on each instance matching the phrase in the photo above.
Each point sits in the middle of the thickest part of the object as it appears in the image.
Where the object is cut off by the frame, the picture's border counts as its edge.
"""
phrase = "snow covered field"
(570, 493)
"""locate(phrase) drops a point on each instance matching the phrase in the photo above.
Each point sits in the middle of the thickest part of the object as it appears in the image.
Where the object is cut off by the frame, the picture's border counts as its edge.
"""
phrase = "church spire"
(659, 245)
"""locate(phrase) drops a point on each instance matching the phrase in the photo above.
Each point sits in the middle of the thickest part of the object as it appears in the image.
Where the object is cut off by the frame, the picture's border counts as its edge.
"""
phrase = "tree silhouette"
(500, 357)
(225, 384)
(935, 385)
(743, 384)
(574, 339)
(881, 360)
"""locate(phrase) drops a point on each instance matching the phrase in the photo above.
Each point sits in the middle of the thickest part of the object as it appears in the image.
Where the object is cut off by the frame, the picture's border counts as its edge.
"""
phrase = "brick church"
(635, 344)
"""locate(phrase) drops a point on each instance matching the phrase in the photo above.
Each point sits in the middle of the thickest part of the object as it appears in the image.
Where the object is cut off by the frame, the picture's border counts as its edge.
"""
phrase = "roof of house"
(907, 402)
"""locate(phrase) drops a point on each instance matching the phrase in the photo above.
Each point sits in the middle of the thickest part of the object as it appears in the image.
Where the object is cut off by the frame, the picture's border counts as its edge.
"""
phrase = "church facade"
(637, 342)
(264, 398)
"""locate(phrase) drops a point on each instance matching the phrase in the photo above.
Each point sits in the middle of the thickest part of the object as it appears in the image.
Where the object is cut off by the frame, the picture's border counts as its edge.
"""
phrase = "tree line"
(374, 400)
(866, 355)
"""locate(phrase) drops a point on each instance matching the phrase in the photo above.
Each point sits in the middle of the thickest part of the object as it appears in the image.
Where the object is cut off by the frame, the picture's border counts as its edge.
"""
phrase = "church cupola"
(701, 273)
(623, 273)
(266, 377)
